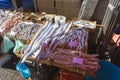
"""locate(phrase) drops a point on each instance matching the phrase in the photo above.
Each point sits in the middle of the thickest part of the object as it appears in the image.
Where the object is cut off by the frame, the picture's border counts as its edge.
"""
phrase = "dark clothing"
(117, 29)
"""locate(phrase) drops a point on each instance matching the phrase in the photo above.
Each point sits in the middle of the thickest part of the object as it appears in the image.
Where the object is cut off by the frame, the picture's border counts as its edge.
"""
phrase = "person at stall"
(117, 29)
(116, 36)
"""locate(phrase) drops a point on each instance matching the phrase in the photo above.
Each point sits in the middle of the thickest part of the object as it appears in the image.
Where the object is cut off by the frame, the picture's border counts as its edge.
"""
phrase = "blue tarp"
(107, 71)
(5, 4)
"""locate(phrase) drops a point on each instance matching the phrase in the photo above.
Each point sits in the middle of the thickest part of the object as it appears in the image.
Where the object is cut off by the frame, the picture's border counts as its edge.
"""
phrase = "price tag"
(73, 44)
(44, 44)
(77, 60)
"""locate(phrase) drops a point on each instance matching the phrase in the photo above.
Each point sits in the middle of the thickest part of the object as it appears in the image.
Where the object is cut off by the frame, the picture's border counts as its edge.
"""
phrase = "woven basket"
(67, 75)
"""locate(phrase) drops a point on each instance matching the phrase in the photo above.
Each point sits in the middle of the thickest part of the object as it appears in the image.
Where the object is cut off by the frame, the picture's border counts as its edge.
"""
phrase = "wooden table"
(52, 63)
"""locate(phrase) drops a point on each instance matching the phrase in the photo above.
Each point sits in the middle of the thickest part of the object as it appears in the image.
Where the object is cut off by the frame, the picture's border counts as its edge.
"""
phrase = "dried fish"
(76, 59)
(85, 24)
(35, 37)
(10, 22)
(36, 44)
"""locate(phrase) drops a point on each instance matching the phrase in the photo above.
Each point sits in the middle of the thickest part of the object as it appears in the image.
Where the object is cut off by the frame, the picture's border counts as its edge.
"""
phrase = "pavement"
(9, 74)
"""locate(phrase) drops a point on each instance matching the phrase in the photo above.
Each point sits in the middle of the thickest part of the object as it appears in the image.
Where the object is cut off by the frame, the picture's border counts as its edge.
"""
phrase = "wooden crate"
(67, 75)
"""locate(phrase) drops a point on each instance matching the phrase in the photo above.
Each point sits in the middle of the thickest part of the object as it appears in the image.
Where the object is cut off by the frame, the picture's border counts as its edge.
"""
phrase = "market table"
(52, 63)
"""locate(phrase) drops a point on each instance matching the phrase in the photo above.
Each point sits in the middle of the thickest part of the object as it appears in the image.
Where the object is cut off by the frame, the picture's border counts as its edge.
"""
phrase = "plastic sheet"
(7, 44)
(18, 45)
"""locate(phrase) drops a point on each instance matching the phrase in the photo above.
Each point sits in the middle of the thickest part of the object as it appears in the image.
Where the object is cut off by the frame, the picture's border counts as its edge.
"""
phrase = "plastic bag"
(23, 70)
(7, 44)
(18, 45)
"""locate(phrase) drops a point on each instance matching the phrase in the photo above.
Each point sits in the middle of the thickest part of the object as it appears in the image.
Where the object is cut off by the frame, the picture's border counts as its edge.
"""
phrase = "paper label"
(73, 44)
(44, 44)
(77, 60)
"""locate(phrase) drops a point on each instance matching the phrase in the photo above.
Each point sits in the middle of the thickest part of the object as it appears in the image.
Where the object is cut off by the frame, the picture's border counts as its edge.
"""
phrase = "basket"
(67, 75)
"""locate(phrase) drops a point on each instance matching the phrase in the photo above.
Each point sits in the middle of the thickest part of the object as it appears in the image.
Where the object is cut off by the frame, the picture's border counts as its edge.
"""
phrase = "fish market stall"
(50, 39)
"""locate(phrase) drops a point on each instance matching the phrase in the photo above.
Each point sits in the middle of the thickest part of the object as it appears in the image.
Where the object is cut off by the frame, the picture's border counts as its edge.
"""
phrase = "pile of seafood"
(64, 42)
(24, 30)
(18, 24)
(76, 59)
(50, 33)
(71, 40)
(2, 16)
(9, 20)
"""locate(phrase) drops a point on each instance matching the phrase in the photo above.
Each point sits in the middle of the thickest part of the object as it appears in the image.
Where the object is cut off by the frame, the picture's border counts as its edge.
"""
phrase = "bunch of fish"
(3, 16)
(45, 35)
(9, 20)
(78, 38)
(54, 35)
(71, 40)
(24, 30)
(85, 24)
(58, 40)
(76, 59)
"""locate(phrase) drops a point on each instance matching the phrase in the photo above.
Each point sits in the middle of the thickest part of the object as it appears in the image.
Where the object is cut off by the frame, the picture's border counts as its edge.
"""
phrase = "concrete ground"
(9, 74)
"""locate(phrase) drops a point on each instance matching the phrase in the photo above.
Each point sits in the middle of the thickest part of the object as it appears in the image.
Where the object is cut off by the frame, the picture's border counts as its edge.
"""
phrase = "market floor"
(9, 74)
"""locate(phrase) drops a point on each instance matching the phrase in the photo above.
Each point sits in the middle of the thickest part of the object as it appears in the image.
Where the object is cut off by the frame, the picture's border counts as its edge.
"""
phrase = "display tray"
(52, 63)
